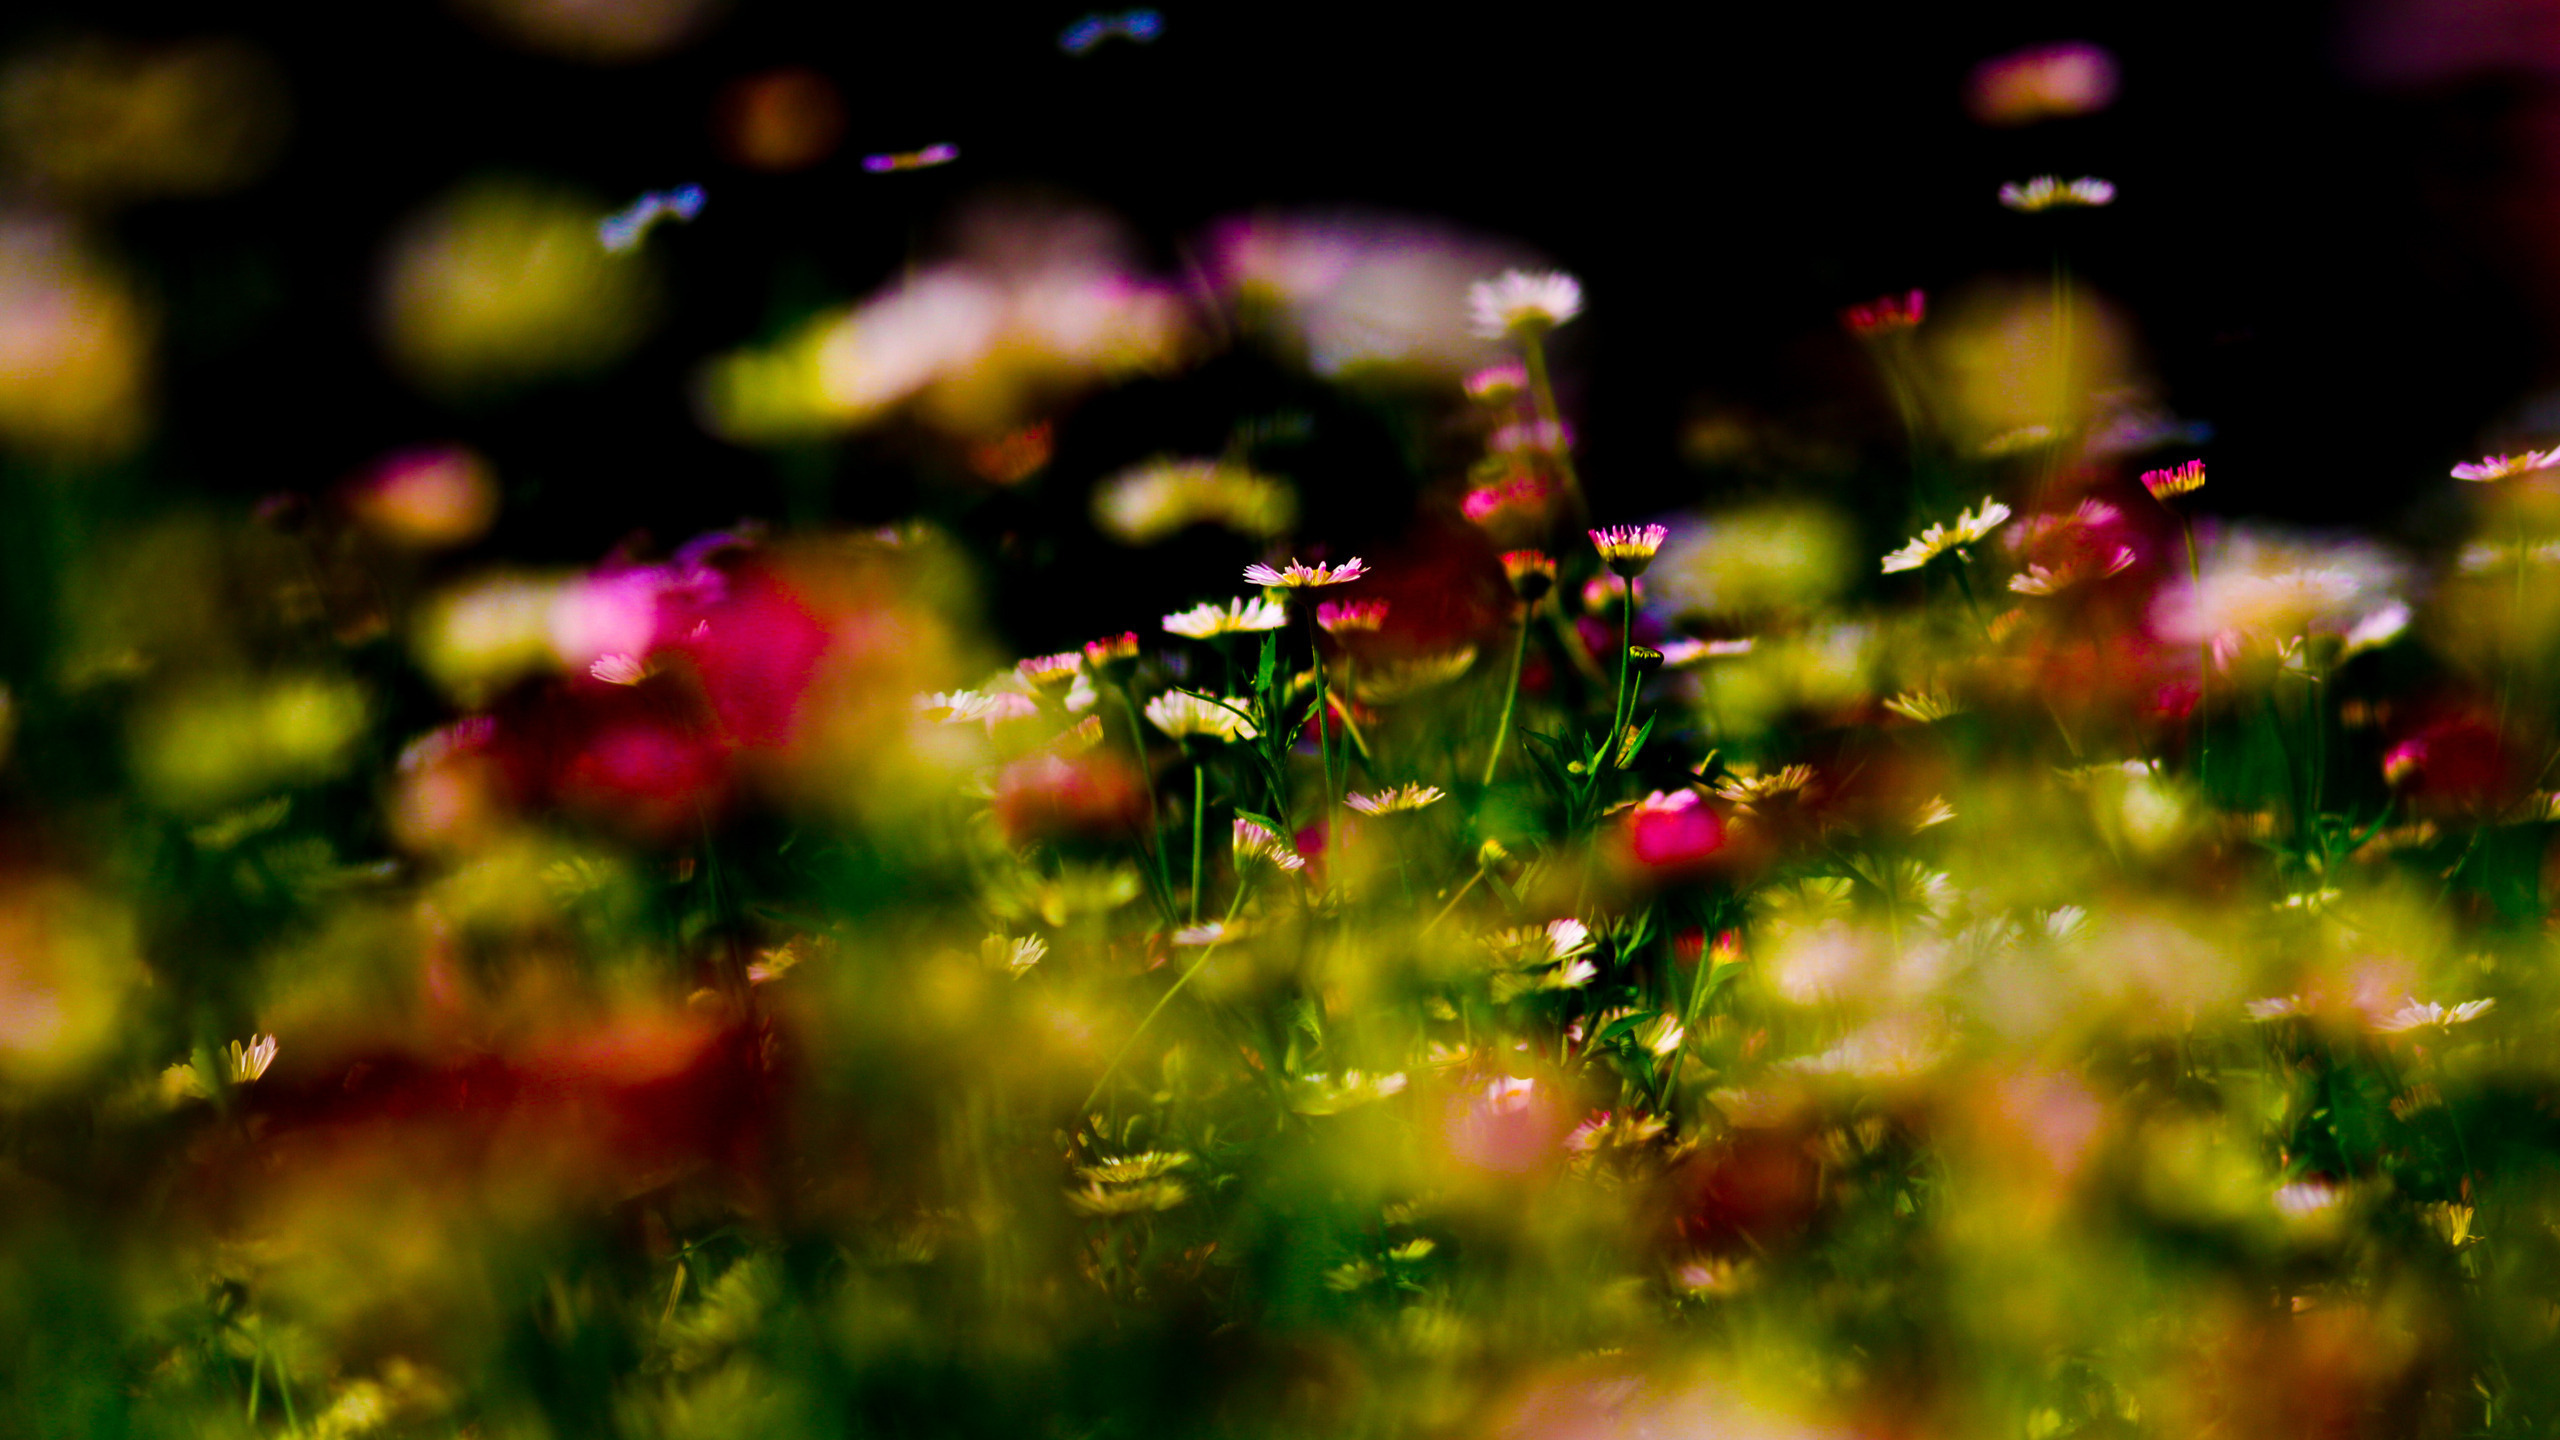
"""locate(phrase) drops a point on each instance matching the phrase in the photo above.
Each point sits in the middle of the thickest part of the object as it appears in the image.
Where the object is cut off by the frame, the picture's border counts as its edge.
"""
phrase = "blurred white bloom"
(1892, 1049)
(2415, 1016)
(962, 707)
(2480, 556)
(1034, 304)
(1521, 299)
(1677, 654)
(2048, 192)
(1363, 290)
(2263, 588)
(2377, 629)
(1149, 502)
(2305, 1198)
(1236, 616)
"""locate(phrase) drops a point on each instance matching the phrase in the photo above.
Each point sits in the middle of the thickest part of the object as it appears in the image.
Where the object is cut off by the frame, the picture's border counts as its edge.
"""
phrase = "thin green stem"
(1510, 697)
(1162, 1001)
(1542, 394)
(1688, 1018)
(1351, 722)
(1199, 808)
(1626, 654)
(1453, 901)
(1324, 738)
(1155, 808)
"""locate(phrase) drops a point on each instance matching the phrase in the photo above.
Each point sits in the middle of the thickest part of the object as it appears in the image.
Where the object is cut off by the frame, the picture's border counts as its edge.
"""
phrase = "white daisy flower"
(1521, 299)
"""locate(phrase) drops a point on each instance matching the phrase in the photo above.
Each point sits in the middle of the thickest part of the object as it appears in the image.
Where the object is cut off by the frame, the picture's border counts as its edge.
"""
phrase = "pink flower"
(2502, 467)
(1627, 549)
(1673, 831)
(1043, 797)
(1886, 314)
(1337, 617)
(2178, 481)
(1511, 1126)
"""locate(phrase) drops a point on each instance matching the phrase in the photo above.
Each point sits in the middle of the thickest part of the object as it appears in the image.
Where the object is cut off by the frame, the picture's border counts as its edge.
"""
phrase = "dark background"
(2316, 263)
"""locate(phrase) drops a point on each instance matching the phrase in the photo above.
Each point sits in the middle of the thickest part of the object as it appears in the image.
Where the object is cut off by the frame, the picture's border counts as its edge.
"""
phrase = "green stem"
(1199, 806)
(1162, 1001)
(1510, 696)
(1351, 722)
(1453, 901)
(1155, 809)
(1324, 737)
(1542, 394)
(1688, 1017)
(1626, 654)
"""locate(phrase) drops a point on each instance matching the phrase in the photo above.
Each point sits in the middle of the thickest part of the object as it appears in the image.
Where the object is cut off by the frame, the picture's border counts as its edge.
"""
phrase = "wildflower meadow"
(1200, 862)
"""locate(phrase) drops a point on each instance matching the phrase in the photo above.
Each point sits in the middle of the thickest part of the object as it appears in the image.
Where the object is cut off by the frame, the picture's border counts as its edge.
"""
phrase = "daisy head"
(1186, 716)
(1050, 672)
(1522, 301)
(1111, 650)
(1627, 549)
(964, 707)
(1338, 617)
(1548, 944)
(2505, 467)
(1886, 315)
(2260, 589)
(1254, 842)
(1397, 800)
(1299, 577)
(1969, 528)
(1532, 572)
(1503, 501)
(1202, 622)
(2051, 192)
(2181, 480)
(1602, 599)
(1498, 384)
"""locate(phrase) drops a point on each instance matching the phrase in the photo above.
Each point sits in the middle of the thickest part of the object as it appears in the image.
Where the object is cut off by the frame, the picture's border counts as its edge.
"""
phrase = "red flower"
(2456, 760)
(1046, 796)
